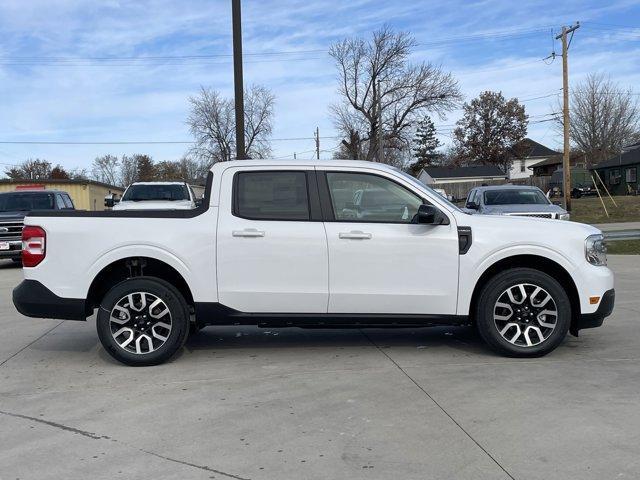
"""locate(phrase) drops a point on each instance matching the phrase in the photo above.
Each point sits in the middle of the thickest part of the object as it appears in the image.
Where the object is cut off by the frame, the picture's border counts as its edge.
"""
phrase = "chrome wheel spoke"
(525, 315)
(140, 323)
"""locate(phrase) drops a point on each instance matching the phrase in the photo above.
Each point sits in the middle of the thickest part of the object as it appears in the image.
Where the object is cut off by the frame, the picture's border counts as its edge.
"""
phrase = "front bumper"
(33, 299)
(595, 319)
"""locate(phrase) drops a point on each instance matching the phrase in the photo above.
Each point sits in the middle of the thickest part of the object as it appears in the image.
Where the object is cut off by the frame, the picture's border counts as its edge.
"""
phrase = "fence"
(459, 190)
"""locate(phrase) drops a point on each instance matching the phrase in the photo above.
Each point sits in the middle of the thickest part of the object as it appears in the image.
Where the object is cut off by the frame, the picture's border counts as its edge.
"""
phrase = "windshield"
(141, 192)
(515, 197)
(418, 184)
(25, 202)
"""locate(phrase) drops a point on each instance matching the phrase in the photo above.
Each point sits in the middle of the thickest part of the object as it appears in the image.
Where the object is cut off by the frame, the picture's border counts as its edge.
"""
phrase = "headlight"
(595, 250)
(564, 216)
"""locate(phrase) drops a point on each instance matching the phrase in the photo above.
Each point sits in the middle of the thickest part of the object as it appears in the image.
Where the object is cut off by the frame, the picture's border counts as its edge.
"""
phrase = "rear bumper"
(33, 299)
(15, 249)
(595, 319)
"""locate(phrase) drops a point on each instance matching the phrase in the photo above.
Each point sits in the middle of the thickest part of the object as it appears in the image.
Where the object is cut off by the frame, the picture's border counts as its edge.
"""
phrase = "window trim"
(627, 174)
(327, 204)
(313, 202)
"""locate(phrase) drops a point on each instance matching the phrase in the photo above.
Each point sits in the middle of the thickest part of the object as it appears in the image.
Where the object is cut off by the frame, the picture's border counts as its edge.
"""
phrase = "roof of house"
(555, 160)
(528, 148)
(630, 157)
(49, 181)
(482, 171)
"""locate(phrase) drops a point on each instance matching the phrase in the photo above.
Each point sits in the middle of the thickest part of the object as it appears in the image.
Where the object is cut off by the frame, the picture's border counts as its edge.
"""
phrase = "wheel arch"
(535, 262)
(135, 267)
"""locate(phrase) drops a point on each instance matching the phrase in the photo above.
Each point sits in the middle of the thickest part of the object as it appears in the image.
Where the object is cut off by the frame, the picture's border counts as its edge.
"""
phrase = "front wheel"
(523, 312)
(143, 321)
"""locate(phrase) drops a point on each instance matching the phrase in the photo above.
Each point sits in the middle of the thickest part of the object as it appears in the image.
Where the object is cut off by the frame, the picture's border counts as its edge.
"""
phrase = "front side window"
(60, 202)
(358, 197)
(67, 201)
(274, 195)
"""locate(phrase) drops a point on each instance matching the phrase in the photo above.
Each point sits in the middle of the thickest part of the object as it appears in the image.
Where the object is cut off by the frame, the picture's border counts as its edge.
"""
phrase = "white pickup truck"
(331, 243)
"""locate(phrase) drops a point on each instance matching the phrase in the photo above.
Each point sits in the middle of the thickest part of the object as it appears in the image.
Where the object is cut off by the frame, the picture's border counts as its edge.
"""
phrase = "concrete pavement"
(249, 403)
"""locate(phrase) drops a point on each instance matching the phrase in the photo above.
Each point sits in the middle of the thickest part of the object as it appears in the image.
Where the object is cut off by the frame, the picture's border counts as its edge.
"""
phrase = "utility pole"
(237, 78)
(317, 135)
(380, 145)
(566, 158)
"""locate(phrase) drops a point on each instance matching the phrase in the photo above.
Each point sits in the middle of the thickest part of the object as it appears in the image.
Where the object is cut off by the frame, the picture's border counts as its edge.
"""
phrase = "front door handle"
(248, 232)
(355, 235)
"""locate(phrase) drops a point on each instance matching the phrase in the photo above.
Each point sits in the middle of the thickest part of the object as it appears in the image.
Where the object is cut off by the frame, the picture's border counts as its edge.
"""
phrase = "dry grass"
(589, 210)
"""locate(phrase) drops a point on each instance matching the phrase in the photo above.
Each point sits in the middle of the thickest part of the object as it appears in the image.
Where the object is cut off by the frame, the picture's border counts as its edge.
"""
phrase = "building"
(528, 153)
(620, 173)
(480, 173)
(546, 167)
(86, 194)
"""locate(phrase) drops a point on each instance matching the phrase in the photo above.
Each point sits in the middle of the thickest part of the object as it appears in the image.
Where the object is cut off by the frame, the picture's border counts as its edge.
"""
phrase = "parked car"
(442, 191)
(154, 196)
(282, 243)
(581, 183)
(513, 200)
(13, 208)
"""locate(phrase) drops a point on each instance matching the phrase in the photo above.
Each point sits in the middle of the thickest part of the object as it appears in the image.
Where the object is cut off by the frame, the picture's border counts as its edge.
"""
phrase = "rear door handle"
(355, 235)
(248, 232)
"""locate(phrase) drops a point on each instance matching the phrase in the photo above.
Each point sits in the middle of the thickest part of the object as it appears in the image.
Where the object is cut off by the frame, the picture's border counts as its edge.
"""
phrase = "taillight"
(34, 248)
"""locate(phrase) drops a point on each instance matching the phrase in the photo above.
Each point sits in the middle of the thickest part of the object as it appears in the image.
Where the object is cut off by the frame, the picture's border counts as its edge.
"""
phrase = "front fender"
(472, 267)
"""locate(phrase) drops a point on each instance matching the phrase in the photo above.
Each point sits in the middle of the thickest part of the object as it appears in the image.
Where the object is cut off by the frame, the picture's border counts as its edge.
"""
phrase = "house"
(480, 173)
(546, 167)
(86, 194)
(620, 173)
(526, 154)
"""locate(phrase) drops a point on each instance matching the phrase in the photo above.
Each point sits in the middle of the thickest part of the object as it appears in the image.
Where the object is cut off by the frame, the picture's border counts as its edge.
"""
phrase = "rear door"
(271, 244)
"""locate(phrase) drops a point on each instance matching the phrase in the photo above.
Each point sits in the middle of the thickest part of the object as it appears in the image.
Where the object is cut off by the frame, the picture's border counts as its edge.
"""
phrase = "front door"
(379, 261)
(271, 251)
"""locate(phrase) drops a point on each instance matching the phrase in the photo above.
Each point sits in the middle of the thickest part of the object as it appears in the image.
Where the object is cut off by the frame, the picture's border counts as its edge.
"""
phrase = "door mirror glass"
(429, 214)
(472, 205)
(110, 200)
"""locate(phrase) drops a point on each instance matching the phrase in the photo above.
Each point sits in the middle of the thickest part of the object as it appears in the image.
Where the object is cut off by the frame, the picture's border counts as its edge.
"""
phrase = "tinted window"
(272, 196)
(24, 202)
(67, 201)
(59, 202)
(370, 198)
(514, 197)
(141, 192)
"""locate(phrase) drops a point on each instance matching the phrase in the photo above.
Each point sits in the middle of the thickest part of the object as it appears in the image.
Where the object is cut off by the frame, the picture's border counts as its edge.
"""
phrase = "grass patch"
(624, 247)
(589, 210)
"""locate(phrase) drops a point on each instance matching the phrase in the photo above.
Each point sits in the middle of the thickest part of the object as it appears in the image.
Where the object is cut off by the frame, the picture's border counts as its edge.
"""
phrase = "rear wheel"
(143, 321)
(523, 312)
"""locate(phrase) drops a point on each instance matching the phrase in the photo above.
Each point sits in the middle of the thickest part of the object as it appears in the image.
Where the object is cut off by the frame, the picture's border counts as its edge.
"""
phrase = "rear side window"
(59, 202)
(67, 201)
(274, 195)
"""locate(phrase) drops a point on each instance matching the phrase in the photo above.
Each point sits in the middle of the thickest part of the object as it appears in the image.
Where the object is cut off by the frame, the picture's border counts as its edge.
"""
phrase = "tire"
(518, 324)
(152, 331)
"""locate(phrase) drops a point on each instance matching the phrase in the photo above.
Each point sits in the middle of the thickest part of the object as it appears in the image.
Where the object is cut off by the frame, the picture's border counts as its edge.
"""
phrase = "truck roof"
(304, 163)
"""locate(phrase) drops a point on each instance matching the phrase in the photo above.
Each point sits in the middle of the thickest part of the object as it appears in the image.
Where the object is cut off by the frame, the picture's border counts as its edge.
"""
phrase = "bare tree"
(489, 128)
(128, 170)
(212, 123)
(604, 118)
(375, 74)
(105, 169)
(30, 170)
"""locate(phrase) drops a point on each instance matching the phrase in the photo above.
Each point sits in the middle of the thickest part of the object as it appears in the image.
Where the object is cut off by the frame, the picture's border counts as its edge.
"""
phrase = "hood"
(155, 205)
(535, 208)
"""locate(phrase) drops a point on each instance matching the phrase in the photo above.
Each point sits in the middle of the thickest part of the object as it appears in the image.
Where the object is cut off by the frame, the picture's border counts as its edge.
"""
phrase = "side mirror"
(472, 205)
(198, 202)
(110, 200)
(429, 214)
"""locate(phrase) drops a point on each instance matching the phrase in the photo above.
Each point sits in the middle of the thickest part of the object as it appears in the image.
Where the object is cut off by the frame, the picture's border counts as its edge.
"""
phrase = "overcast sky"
(56, 86)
